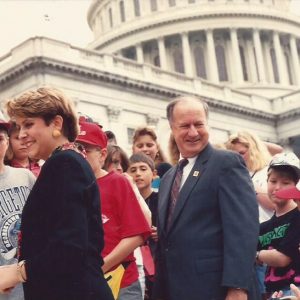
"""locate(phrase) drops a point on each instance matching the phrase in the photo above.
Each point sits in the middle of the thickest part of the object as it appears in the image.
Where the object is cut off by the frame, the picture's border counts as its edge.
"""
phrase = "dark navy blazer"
(62, 235)
(211, 243)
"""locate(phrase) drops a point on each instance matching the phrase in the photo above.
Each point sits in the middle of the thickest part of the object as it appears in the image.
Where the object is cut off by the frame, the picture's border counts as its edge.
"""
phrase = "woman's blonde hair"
(258, 154)
(46, 103)
(173, 150)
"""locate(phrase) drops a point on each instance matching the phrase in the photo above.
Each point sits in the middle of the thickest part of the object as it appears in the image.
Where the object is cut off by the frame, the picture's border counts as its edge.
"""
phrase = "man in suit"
(208, 237)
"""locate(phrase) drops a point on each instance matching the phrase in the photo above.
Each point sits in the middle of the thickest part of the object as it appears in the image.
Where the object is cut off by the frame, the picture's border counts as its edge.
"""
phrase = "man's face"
(189, 127)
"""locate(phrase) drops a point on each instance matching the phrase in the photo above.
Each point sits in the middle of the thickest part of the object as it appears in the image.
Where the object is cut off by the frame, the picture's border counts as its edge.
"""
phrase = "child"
(125, 226)
(15, 185)
(142, 170)
(280, 236)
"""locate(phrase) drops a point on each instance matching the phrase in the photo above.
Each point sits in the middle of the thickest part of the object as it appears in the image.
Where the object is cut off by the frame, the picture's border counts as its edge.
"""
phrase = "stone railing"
(74, 57)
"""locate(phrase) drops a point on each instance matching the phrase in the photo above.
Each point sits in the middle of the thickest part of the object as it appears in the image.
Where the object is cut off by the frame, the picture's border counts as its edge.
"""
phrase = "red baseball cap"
(289, 193)
(91, 134)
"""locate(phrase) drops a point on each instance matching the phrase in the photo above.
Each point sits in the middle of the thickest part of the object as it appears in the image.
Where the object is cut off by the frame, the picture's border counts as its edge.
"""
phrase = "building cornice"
(37, 64)
(289, 115)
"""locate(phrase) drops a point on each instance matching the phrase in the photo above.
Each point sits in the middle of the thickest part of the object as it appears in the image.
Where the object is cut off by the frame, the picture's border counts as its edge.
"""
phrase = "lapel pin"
(196, 173)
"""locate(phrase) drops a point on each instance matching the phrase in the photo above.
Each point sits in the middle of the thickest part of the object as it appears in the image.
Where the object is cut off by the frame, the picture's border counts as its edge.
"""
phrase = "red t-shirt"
(122, 217)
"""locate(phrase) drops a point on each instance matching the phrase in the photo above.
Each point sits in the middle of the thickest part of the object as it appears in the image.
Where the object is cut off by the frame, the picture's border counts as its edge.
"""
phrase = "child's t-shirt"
(281, 233)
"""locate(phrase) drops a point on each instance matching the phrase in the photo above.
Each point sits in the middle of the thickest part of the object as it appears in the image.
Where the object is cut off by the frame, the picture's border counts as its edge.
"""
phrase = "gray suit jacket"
(211, 243)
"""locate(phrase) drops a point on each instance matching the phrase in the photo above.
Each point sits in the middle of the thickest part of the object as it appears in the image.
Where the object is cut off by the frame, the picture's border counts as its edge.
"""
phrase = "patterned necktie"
(175, 189)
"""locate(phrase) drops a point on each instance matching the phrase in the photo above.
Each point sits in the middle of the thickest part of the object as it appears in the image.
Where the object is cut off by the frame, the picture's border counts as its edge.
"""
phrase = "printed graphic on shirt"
(276, 233)
(12, 201)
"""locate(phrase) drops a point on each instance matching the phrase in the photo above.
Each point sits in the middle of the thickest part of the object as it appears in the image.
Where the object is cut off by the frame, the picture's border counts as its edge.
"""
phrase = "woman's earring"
(56, 133)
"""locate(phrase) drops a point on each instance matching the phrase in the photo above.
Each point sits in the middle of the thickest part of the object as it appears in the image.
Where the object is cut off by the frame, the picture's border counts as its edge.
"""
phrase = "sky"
(63, 20)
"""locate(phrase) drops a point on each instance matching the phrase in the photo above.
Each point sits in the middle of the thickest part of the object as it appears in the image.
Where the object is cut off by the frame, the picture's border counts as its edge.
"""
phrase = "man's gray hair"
(183, 98)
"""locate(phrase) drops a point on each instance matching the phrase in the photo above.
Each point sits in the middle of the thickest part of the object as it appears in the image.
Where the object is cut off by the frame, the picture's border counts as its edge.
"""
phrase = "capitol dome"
(251, 45)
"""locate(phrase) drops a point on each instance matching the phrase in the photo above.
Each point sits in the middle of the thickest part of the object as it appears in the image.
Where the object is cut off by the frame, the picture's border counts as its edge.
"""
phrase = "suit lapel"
(191, 181)
(164, 195)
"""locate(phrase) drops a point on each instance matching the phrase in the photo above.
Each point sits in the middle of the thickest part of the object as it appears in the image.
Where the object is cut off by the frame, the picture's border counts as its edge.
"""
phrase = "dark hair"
(111, 150)
(46, 103)
(110, 136)
(142, 157)
(286, 172)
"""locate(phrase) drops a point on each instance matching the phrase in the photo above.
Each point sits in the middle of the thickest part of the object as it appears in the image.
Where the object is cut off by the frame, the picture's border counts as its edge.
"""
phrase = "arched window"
(110, 17)
(153, 4)
(200, 62)
(274, 65)
(122, 11)
(178, 61)
(137, 10)
(221, 62)
(243, 62)
(288, 66)
(172, 2)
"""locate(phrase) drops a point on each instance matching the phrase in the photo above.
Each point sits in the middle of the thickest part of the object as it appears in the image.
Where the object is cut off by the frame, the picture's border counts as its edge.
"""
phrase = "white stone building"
(241, 55)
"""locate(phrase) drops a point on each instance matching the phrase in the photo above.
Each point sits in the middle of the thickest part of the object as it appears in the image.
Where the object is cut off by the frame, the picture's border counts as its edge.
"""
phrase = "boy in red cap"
(279, 237)
(125, 227)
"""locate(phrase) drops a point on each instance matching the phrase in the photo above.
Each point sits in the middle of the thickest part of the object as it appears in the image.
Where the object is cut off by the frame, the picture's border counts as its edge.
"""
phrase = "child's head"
(4, 127)
(142, 170)
(283, 172)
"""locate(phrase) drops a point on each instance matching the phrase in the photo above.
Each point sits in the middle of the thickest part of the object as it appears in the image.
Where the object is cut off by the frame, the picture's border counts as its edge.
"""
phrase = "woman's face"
(241, 149)
(147, 145)
(19, 149)
(36, 136)
(115, 164)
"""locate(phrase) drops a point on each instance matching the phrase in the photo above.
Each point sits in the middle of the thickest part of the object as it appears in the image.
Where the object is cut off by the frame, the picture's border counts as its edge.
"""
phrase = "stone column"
(113, 114)
(253, 75)
(139, 53)
(213, 74)
(162, 52)
(259, 56)
(187, 58)
(239, 78)
(282, 72)
(295, 59)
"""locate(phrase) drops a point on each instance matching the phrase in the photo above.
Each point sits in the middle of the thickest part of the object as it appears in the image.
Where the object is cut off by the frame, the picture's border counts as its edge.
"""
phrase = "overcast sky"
(60, 19)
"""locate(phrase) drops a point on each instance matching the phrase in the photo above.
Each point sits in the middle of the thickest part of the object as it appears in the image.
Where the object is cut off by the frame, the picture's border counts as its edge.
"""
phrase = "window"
(243, 62)
(200, 62)
(137, 10)
(130, 133)
(153, 4)
(122, 11)
(110, 17)
(274, 65)
(178, 61)
(172, 2)
(221, 62)
(156, 61)
(288, 66)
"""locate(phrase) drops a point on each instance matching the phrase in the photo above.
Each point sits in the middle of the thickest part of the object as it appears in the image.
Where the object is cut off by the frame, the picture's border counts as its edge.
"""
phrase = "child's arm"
(121, 251)
(273, 258)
